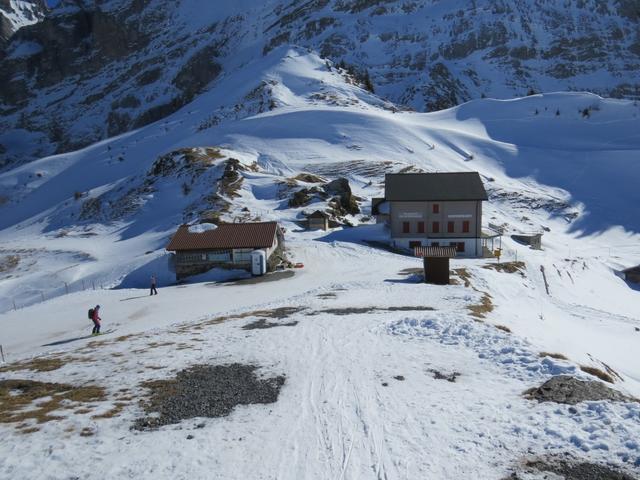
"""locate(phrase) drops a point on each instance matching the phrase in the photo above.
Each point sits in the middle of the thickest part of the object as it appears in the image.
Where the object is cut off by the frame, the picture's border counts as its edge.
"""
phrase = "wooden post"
(66, 288)
(83, 285)
(14, 304)
(2, 353)
(94, 284)
(42, 296)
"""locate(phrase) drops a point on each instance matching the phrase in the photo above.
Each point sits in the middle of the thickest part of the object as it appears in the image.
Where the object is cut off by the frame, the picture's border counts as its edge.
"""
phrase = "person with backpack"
(154, 290)
(94, 315)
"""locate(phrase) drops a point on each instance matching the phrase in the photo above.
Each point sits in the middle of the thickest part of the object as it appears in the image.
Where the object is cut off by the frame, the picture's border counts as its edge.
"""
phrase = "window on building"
(436, 208)
(242, 255)
(219, 256)
(460, 247)
(465, 226)
(406, 228)
(435, 227)
(420, 227)
(451, 227)
(435, 244)
(415, 244)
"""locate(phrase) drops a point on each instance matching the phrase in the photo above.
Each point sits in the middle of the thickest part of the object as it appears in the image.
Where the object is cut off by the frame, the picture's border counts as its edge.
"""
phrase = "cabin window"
(451, 227)
(435, 227)
(415, 244)
(219, 256)
(406, 228)
(465, 226)
(242, 255)
(460, 247)
(420, 227)
(436, 208)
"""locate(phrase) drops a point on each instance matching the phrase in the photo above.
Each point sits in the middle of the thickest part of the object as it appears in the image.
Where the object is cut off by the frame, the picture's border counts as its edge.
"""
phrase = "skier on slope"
(96, 320)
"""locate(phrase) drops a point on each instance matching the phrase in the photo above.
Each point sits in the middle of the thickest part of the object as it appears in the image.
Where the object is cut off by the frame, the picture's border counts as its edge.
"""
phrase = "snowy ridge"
(427, 55)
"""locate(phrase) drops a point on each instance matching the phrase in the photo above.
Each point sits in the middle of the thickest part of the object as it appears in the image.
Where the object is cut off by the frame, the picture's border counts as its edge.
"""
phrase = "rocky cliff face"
(15, 14)
(94, 69)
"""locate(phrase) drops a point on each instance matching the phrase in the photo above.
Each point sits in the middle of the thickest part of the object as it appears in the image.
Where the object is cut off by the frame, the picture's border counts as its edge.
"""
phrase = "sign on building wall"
(465, 215)
(410, 215)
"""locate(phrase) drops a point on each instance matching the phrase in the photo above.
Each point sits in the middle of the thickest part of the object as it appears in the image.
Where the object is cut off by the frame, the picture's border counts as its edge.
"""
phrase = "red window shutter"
(436, 208)
(436, 227)
(451, 227)
(405, 227)
(420, 227)
(465, 226)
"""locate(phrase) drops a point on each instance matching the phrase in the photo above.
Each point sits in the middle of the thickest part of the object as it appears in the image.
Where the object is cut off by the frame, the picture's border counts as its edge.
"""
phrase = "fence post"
(66, 288)
(14, 304)
(83, 285)
(93, 283)
(2, 353)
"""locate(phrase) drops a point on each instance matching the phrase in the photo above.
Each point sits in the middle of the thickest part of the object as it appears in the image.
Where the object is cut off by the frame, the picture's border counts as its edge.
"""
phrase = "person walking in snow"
(154, 290)
(96, 320)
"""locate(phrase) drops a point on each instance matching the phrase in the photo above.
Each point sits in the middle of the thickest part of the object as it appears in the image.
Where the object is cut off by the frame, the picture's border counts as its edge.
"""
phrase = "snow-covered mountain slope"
(360, 399)
(94, 71)
(554, 155)
(15, 14)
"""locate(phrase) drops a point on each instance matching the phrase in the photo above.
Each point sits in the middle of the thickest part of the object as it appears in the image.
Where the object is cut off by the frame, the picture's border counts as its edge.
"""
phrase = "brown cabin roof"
(435, 252)
(227, 235)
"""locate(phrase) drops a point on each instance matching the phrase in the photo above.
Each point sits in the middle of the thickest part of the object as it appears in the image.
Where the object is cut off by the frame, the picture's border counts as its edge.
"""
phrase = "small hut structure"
(632, 274)
(534, 240)
(318, 220)
(436, 263)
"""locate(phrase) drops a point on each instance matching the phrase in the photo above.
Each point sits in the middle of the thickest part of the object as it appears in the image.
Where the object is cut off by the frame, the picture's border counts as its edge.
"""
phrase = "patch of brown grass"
(28, 430)
(507, 267)
(503, 328)
(8, 263)
(87, 432)
(123, 338)
(18, 395)
(482, 309)
(309, 178)
(116, 410)
(464, 275)
(41, 364)
(596, 372)
(159, 344)
(557, 356)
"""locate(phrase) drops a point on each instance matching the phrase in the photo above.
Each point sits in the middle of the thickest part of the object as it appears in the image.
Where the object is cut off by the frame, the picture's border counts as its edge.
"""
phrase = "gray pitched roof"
(434, 186)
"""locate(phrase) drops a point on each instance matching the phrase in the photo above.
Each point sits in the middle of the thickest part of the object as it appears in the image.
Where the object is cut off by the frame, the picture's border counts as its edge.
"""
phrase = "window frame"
(406, 227)
(435, 208)
(435, 227)
(466, 226)
(421, 226)
(451, 227)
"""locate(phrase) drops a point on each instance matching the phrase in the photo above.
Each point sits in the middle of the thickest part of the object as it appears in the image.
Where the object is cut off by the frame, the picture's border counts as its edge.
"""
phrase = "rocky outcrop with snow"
(15, 14)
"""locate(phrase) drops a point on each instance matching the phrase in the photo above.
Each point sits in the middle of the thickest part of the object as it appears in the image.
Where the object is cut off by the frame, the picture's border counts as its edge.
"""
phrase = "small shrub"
(503, 328)
(596, 372)
(78, 195)
(557, 356)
